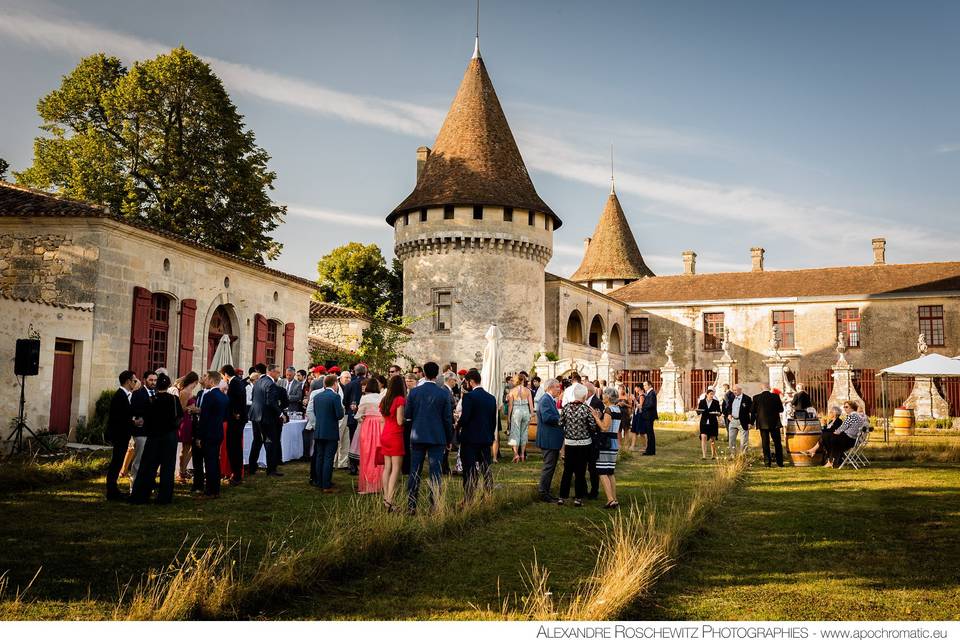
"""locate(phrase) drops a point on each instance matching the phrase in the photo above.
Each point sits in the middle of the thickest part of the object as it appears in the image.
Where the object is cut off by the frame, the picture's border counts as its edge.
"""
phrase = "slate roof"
(872, 280)
(475, 159)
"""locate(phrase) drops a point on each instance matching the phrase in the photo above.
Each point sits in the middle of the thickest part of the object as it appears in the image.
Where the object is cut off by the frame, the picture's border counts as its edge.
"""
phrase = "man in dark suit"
(549, 436)
(648, 416)
(140, 403)
(738, 414)
(351, 400)
(254, 415)
(266, 413)
(236, 421)
(431, 414)
(767, 408)
(801, 402)
(477, 427)
(119, 426)
(214, 409)
(327, 412)
(726, 397)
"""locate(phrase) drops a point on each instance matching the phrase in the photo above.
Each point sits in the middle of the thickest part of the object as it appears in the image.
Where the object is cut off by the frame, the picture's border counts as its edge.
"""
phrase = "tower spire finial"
(613, 187)
(476, 41)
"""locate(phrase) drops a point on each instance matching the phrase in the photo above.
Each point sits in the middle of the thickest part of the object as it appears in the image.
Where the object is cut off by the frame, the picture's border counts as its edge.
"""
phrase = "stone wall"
(47, 264)
(889, 329)
(343, 332)
(51, 322)
(568, 298)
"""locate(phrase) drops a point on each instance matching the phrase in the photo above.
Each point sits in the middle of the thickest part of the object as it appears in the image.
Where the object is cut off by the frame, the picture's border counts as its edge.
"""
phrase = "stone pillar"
(725, 373)
(926, 401)
(777, 377)
(546, 369)
(843, 389)
(670, 396)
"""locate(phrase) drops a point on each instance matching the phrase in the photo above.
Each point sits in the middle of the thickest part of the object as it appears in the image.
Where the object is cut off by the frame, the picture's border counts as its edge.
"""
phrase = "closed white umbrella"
(491, 374)
(223, 355)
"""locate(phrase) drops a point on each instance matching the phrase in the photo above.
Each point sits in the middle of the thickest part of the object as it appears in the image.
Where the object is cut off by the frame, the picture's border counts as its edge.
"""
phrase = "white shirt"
(736, 406)
(128, 392)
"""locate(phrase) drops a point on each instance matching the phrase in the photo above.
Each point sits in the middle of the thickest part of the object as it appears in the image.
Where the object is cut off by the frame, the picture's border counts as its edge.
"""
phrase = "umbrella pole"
(886, 419)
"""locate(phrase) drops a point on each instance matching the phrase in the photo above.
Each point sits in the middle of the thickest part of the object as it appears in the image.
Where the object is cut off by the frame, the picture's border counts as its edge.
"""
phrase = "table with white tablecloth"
(291, 442)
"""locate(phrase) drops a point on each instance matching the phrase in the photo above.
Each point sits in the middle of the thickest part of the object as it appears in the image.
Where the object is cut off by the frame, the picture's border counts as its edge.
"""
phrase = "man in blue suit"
(477, 427)
(649, 415)
(327, 412)
(214, 406)
(549, 436)
(430, 408)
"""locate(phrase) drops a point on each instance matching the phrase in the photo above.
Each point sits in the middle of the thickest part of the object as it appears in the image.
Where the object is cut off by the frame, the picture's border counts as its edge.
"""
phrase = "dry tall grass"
(638, 546)
(213, 582)
(11, 606)
(899, 451)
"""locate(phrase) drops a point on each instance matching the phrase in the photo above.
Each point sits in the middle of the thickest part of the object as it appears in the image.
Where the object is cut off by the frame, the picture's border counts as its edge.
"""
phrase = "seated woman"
(829, 427)
(846, 434)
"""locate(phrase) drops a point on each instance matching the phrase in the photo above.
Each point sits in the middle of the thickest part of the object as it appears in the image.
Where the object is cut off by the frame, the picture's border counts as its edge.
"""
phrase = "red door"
(61, 392)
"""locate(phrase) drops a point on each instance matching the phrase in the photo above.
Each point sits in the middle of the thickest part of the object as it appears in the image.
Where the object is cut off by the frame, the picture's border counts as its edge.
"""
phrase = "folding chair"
(854, 455)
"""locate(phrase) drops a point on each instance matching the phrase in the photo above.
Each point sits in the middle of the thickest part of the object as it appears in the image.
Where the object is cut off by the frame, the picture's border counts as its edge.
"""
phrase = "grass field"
(787, 544)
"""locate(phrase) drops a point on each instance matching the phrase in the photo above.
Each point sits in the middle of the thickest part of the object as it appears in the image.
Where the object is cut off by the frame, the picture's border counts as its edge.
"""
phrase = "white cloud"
(339, 217)
(948, 148)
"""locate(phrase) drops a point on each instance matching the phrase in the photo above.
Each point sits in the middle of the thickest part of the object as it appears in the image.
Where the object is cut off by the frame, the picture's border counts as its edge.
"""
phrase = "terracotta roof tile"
(17, 201)
(319, 309)
(315, 344)
(612, 253)
(475, 159)
(873, 280)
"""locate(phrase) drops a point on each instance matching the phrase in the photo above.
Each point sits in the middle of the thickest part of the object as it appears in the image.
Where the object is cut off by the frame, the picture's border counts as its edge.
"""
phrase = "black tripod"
(17, 434)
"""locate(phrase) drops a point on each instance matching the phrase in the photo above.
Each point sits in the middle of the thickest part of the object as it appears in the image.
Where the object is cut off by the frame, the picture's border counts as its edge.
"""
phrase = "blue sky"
(807, 128)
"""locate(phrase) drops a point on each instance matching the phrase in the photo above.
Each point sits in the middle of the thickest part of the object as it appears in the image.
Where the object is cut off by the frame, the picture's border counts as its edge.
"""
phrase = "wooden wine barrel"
(803, 434)
(903, 422)
(532, 429)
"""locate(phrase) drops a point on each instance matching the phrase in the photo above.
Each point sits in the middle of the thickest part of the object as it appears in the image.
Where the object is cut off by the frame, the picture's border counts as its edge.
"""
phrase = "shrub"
(673, 417)
(93, 431)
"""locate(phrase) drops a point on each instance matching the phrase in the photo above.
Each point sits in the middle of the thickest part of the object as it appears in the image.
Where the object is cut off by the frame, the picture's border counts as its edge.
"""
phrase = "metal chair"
(854, 455)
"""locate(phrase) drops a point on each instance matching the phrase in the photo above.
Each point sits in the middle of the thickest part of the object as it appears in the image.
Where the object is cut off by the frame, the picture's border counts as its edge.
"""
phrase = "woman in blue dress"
(609, 423)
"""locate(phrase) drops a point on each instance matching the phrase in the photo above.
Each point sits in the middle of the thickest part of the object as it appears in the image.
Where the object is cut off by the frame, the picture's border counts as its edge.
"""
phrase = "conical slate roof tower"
(475, 159)
(612, 257)
(474, 237)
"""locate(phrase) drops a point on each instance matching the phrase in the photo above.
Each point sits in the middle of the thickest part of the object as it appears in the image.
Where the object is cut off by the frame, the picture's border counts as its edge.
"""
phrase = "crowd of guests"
(377, 428)
(769, 412)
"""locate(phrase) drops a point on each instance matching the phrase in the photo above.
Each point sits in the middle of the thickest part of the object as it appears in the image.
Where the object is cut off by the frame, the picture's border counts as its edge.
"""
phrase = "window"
(478, 212)
(639, 335)
(784, 320)
(712, 331)
(158, 331)
(442, 309)
(546, 222)
(531, 217)
(931, 324)
(448, 212)
(406, 219)
(609, 284)
(270, 344)
(848, 323)
(423, 215)
(508, 214)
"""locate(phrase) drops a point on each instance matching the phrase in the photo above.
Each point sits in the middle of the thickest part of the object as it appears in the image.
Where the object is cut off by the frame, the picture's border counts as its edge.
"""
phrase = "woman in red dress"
(391, 441)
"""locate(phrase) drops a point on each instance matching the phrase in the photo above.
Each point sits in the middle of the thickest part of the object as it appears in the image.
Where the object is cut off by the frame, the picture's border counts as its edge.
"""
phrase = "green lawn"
(788, 544)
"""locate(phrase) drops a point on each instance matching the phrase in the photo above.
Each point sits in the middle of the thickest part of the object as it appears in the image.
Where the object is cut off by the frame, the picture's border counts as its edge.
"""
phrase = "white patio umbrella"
(223, 355)
(491, 374)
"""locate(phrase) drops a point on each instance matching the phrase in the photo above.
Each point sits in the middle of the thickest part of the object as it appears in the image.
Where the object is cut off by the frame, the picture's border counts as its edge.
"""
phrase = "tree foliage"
(382, 343)
(4, 165)
(162, 142)
(355, 275)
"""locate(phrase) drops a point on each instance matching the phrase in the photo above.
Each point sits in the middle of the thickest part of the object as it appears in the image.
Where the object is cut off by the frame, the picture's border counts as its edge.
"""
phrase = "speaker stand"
(17, 434)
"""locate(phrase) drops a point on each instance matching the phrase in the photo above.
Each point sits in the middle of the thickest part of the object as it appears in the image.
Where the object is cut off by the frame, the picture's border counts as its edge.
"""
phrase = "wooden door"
(61, 390)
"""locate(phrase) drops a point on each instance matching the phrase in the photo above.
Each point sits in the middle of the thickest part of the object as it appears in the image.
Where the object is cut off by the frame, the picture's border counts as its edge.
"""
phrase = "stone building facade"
(145, 298)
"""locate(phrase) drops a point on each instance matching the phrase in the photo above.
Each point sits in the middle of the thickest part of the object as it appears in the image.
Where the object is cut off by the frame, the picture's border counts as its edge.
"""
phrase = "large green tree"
(355, 275)
(161, 142)
(4, 165)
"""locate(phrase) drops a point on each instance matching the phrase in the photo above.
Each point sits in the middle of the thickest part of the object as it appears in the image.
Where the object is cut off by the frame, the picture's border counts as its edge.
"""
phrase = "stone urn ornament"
(922, 344)
(775, 342)
(725, 344)
(669, 351)
(841, 348)
(604, 343)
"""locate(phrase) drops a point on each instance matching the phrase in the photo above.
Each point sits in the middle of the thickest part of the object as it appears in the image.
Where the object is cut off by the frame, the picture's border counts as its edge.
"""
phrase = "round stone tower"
(474, 237)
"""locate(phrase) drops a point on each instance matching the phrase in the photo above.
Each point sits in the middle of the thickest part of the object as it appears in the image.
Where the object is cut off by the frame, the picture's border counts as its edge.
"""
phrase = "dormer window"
(448, 212)
(508, 214)
(423, 215)
(478, 212)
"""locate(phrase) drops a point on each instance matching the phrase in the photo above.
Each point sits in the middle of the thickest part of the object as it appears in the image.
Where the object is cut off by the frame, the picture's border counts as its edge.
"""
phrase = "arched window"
(158, 331)
(575, 328)
(615, 339)
(220, 325)
(596, 331)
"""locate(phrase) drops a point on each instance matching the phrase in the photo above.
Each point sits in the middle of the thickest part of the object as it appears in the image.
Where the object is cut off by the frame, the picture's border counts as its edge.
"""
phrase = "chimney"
(422, 154)
(879, 251)
(586, 244)
(756, 258)
(689, 263)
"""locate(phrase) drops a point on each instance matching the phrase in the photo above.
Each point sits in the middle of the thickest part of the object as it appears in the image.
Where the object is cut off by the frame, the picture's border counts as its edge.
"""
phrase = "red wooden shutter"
(259, 339)
(288, 330)
(188, 322)
(140, 330)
